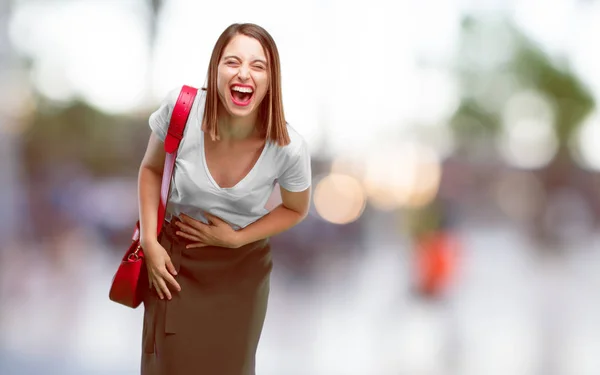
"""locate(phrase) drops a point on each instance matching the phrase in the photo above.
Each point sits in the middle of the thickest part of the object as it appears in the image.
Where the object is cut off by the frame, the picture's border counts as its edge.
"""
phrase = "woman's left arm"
(290, 212)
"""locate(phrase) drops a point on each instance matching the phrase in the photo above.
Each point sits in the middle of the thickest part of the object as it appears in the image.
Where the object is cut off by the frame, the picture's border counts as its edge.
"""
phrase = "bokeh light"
(519, 194)
(528, 139)
(406, 176)
(339, 199)
(585, 144)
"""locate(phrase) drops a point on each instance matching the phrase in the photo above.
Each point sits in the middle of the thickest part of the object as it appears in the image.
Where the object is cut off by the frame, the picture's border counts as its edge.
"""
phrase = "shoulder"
(173, 94)
(171, 97)
(161, 117)
(297, 145)
(293, 154)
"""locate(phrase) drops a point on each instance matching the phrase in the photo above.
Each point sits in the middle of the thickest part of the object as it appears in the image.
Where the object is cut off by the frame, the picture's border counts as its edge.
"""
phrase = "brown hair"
(271, 119)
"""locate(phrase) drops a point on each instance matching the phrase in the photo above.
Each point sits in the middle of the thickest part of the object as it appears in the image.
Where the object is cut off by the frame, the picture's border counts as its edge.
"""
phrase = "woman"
(209, 268)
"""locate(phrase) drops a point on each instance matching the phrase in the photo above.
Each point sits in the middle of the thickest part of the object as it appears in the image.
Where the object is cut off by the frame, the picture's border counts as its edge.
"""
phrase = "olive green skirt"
(213, 325)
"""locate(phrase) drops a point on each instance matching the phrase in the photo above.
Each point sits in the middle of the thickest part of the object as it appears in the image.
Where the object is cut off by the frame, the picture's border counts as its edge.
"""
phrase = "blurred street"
(511, 312)
(454, 226)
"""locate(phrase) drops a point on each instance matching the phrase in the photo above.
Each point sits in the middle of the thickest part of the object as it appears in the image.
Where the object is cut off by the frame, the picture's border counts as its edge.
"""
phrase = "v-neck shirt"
(210, 176)
(193, 188)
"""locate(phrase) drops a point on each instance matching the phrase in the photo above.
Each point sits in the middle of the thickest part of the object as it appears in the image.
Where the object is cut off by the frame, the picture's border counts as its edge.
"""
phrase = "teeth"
(247, 90)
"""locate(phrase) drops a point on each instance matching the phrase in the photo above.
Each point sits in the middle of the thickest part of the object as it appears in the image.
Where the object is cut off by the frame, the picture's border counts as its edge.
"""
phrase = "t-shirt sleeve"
(159, 120)
(296, 175)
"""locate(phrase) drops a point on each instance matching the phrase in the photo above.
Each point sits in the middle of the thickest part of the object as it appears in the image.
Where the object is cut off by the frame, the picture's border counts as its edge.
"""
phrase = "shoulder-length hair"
(271, 119)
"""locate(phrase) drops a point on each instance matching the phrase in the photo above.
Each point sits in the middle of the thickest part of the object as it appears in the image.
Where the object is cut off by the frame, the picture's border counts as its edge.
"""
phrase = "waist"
(237, 217)
(170, 229)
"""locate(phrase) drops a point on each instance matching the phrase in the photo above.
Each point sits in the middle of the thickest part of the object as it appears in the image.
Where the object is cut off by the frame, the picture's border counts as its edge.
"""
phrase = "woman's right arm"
(158, 263)
(149, 183)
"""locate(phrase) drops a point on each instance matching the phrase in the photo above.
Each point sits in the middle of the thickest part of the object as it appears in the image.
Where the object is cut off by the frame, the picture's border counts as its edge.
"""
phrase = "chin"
(239, 112)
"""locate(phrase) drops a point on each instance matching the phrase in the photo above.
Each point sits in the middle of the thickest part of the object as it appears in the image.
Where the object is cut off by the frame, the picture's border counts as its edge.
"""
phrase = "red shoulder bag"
(131, 279)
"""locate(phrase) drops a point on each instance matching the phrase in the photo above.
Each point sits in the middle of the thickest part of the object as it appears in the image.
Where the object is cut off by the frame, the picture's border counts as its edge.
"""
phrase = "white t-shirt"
(193, 189)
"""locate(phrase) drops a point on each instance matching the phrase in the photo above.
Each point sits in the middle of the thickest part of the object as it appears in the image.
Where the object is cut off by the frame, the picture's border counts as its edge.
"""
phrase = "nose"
(244, 73)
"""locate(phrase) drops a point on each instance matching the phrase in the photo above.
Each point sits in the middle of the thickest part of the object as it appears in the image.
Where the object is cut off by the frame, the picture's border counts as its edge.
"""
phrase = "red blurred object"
(437, 256)
(130, 279)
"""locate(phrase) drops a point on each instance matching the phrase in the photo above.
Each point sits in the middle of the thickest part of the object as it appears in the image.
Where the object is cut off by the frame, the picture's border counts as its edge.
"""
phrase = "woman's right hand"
(160, 269)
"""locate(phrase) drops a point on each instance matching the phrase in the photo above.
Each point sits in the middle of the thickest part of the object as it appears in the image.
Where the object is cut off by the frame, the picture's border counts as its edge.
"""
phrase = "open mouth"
(241, 95)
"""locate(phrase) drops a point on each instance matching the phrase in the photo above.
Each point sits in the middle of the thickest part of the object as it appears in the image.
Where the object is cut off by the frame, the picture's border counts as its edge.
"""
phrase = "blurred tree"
(103, 144)
(572, 99)
(517, 58)
(62, 140)
(155, 7)
(496, 61)
(11, 90)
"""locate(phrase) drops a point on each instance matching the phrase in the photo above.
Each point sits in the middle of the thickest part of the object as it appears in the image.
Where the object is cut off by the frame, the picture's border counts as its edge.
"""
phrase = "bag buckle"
(135, 256)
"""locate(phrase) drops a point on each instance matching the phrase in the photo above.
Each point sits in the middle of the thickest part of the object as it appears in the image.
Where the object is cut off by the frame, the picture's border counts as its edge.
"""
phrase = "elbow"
(305, 206)
(301, 216)
(298, 203)
(302, 213)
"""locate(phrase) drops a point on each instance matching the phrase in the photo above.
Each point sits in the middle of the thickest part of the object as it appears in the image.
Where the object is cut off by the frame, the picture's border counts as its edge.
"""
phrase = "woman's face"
(243, 76)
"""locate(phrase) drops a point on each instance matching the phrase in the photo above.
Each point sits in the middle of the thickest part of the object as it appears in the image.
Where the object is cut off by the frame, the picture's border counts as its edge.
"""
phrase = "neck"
(237, 128)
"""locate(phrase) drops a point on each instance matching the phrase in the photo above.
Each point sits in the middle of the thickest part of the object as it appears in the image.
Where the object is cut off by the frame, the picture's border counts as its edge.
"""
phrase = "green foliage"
(573, 101)
(528, 65)
(104, 144)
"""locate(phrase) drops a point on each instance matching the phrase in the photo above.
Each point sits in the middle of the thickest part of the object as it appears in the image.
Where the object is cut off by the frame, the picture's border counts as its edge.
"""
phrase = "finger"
(170, 266)
(193, 230)
(197, 244)
(171, 280)
(192, 223)
(188, 236)
(163, 286)
(213, 219)
(184, 226)
(185, 219)
(157, 288)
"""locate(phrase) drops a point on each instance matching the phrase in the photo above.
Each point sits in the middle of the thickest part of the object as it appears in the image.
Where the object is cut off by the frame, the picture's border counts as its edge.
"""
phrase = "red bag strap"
(179, 118)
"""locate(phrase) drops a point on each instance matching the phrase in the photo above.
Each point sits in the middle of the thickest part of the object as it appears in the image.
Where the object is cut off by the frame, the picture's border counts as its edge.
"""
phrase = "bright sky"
(346, 65)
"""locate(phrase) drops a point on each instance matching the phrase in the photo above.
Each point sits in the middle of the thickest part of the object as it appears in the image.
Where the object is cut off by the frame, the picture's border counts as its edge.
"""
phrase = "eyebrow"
(237, 58)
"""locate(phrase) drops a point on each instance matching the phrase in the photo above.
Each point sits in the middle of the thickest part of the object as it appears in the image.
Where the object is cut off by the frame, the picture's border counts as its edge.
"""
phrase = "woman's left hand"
(217, 233)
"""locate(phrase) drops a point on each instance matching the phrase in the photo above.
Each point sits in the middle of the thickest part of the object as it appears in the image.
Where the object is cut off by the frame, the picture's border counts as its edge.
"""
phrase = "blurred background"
(456, 196)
